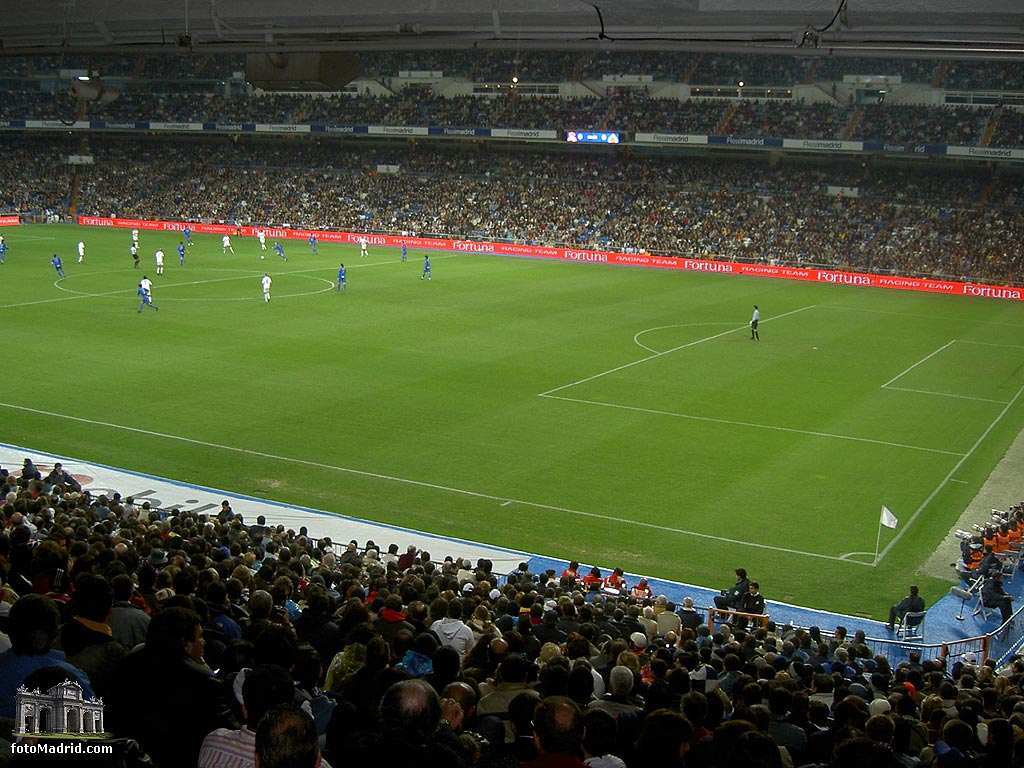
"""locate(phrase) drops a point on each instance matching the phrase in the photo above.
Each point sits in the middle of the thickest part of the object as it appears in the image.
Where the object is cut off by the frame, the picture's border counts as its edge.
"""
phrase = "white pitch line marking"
(667, 352)
(988, 344)
(948, 477)
(72, 295)
(919, 362)
(420, 484)
(638, 334)
(945, 394)
(752, 425)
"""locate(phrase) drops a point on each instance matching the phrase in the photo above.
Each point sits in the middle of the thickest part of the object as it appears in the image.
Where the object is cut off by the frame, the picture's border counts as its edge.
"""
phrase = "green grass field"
(620, 416)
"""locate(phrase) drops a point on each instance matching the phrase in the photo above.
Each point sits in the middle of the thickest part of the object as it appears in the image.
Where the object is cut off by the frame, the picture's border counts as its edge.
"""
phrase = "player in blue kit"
(342, 285)
(58, 265)
(3, 252)
(146, 300)
(280, 251)
(405, 252)
(312, 244)
(181, 254)
(188, 235)
(426, 268)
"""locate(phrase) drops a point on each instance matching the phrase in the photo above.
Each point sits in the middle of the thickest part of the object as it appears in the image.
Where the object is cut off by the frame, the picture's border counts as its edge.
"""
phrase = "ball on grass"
(262, 257)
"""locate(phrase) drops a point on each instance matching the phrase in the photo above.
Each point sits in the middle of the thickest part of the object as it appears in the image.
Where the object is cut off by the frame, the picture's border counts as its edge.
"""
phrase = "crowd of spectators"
(531, 66)
(196, 629)
(628, 110)
(916, 220)
(40, 182)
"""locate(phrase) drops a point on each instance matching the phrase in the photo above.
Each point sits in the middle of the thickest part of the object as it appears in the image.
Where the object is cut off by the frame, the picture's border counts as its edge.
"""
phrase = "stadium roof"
(945, 28)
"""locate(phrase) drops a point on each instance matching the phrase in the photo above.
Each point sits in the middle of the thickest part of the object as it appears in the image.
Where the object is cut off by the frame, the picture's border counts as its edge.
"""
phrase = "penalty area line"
(505, 501)
(668, 352)
(752, 425)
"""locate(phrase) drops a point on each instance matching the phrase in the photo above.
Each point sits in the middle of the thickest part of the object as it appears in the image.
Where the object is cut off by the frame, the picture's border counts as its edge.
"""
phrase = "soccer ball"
(262, 257)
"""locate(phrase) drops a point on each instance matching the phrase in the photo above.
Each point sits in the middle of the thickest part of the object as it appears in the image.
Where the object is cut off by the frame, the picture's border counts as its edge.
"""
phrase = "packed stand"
(807, 121)
(927, 220)
(201, 633)
(924, 71)
(531, 66)
(750, 69)
(918, 221)
(565, 66)
(620, 109)
(983, 76)
(39, 184)
(956, 126)
(1009, 129)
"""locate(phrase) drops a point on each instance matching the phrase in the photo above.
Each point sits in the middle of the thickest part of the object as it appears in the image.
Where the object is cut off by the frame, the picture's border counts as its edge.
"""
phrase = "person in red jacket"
(572, 572)
(592, 581)
(614, 583)
(641, 591)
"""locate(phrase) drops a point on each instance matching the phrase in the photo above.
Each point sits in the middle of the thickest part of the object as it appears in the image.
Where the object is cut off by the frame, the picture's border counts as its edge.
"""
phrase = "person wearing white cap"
(879, 706)
(638, 645)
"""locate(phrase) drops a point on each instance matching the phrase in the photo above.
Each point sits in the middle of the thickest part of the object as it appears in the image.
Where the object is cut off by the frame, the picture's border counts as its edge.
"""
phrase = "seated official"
(729, 599)
(912, 603)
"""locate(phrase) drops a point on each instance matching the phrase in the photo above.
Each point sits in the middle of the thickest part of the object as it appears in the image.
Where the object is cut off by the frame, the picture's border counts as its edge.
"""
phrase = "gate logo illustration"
(63, 709)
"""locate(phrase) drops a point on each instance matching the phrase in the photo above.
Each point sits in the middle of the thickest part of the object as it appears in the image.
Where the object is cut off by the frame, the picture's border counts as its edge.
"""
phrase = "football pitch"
(619, 416)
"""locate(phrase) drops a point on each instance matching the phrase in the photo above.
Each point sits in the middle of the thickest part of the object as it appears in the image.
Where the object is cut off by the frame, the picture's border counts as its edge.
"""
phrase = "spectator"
(33, 626)
(262, 690)
(412, 731)
(286, 738)
(151, 713)
(993, 595)
(558, 734)
(729, 599)
(452, 631)
(88, 639)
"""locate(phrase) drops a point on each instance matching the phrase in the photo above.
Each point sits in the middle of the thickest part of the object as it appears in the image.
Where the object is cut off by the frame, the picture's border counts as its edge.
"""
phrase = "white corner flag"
(888, 518)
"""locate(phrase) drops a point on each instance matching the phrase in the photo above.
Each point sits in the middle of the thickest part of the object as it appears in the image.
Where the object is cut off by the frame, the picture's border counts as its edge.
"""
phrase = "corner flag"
(888, 518)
